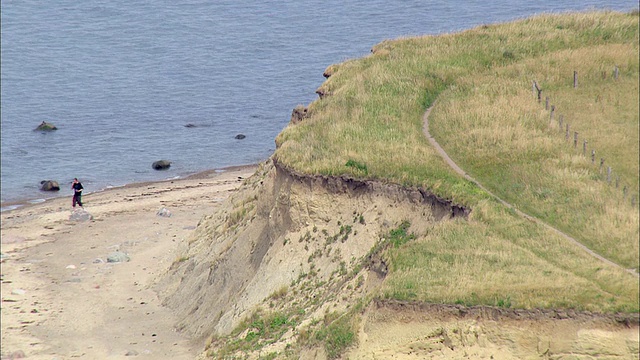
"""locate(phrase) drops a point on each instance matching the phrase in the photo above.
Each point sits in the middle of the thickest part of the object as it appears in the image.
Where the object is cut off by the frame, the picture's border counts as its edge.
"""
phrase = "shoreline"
(8, 206)
(64, 297)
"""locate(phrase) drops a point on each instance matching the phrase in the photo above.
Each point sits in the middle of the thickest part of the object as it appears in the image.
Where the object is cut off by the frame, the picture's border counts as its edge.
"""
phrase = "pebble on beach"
(164, 212)
(118, 256)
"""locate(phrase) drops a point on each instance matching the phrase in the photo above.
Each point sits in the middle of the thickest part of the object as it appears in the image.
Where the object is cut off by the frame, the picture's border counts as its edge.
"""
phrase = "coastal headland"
(359, 238)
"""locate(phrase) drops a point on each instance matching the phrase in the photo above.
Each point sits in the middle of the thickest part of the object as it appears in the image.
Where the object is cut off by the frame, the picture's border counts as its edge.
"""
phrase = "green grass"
(400, 236)
(337, 335)
(487, 118)
(253, 334)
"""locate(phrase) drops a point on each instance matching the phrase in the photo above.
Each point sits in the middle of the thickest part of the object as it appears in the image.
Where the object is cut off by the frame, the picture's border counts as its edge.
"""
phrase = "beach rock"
(298, 114)
(189, 125)
(161, 165)
(118, 256)
(49, 185)
(45, 126)
(240, 136)
(80, 215)
(164, 212)
(131, 353)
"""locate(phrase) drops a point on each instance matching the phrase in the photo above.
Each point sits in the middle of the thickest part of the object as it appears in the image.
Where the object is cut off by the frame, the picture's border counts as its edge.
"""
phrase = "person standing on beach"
(77, 192)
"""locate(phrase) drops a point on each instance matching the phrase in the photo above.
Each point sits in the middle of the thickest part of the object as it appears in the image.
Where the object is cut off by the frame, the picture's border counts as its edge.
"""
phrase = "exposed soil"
(392, 330)
(235, 267)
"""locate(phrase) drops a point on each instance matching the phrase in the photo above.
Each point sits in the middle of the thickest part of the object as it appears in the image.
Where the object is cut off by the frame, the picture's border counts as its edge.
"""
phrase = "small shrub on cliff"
(280, 293)
(338, 335)
(399, 235)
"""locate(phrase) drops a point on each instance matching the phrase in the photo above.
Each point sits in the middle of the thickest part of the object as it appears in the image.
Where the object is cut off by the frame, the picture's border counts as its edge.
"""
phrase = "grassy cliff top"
(368, 124)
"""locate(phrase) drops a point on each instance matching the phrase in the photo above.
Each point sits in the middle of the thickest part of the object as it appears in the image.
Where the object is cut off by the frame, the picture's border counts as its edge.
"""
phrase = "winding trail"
(450, 162)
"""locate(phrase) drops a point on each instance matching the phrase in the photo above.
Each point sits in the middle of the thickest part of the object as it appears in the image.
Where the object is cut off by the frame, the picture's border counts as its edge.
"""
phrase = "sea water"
(131, 82)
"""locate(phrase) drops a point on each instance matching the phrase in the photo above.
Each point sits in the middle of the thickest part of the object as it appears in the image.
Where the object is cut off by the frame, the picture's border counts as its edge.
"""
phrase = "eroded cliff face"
(298, 244)
(281, 226)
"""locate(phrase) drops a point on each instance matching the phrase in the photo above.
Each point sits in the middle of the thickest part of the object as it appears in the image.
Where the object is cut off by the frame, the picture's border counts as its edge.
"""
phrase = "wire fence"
(572, 136)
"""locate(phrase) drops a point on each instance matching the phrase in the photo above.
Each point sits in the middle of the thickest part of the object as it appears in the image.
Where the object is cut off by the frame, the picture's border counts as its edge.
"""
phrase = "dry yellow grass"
(488, 120)
(499, 133)
(497, 258)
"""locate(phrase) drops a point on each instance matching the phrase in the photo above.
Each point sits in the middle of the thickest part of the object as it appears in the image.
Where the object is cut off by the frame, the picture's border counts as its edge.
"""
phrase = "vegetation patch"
(253, 334)
(489, 120)
(357, 166)
(337, 335)
(399, 236)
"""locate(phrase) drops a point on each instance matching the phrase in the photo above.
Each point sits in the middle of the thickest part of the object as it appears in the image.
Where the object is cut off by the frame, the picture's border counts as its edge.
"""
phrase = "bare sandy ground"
(63, 299)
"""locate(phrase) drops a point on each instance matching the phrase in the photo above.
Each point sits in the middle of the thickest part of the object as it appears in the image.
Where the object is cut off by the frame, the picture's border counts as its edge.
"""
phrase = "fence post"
(615, 72)
(593, 157)
(575, 139)
(560, 119)
(617, 181)
(584, 148)
(538, 90)
(553, 109)
(566, 134)
(609, 174)
(546, 103)
(624, 192)
(575, 79)
(601, 164)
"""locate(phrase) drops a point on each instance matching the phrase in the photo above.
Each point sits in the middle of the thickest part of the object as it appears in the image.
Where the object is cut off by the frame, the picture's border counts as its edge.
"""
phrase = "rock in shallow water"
(161, 165)
(49, 185)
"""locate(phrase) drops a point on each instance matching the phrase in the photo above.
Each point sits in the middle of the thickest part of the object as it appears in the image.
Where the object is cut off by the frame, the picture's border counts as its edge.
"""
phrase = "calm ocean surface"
(121, 79)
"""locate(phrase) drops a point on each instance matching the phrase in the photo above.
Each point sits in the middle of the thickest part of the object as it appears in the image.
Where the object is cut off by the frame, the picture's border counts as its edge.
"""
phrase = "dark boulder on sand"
(161, 165)
(49, 185)
(45, 126)
(240, 136)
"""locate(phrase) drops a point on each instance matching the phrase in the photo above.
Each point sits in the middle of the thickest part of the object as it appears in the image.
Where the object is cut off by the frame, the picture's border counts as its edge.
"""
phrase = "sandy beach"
(83, 288)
